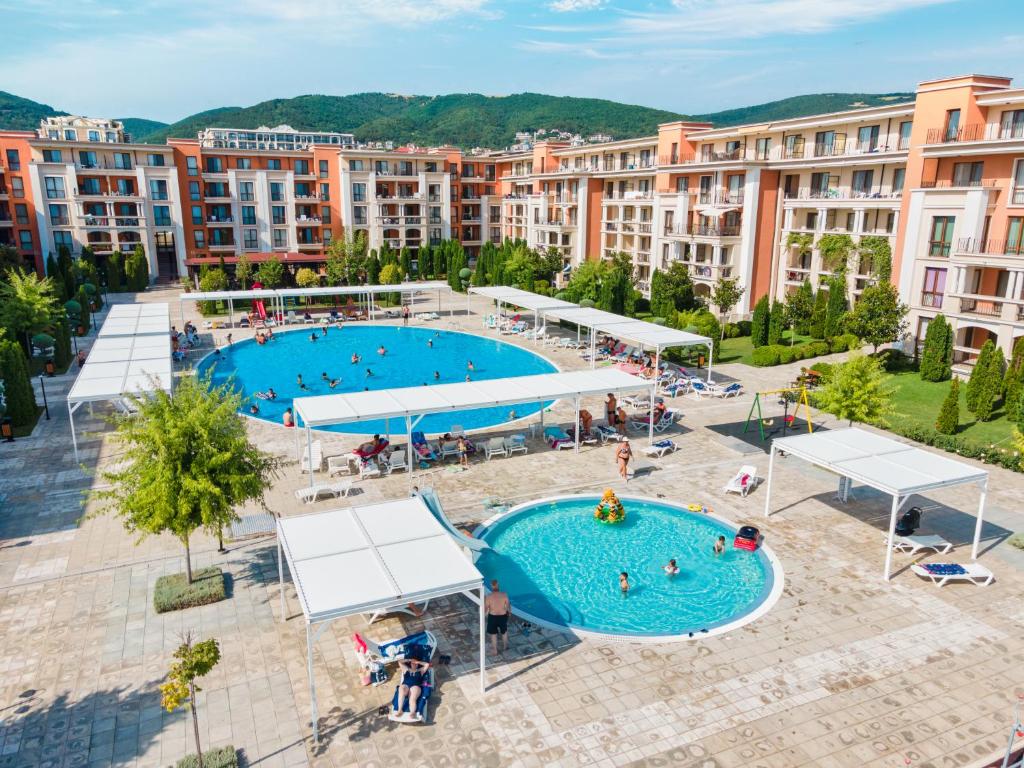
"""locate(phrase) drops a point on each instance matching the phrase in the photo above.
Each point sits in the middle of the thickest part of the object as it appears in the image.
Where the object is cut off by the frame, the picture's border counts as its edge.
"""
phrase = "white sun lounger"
(737, 483)
(309, 495)
(660, 448)
(515, 443)
(915, 544)
(973, 572)
(317, 454)
(495, 447)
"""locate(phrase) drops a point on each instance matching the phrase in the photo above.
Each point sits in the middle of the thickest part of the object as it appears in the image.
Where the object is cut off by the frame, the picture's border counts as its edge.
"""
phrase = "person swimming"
(324, 377)
(313, 336)
(271, 394)
(369, 373)
(381, 350)
(298, 380)
(323, 329)
(437, 376)
(333, 383)
(430, 343)
(254, 409)
(469, 365)
(720, 545)
(355, 358)
(671, 569)
(624, 583)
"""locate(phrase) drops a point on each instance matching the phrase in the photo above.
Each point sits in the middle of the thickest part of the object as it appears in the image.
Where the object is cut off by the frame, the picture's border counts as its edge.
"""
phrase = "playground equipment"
(796, 395)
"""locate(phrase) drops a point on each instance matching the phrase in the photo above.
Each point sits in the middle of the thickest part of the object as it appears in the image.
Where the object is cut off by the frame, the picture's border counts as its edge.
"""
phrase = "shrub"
(788, 354)
(937, 357)
(818, 348)
(222, 757)
(763, 357)
(1017, 540)
(173, 592)
(824, 371)
(759, 325)
(894, 361)
(745, 327)
(817, 323)
(949, 414)
(844, 342)
(985, 386)
(776, 322)
(643, 315)
(731, 330)
(18, 392)
(990, 454)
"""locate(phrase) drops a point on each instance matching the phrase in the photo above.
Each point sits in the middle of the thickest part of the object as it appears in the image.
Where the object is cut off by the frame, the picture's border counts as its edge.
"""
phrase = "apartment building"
(282, 137)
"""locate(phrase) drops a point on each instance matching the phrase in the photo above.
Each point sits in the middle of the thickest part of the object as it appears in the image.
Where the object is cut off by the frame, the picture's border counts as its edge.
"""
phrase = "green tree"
(937, 356)
(373, 269)
(139, 279)
(759, 322)
(271, 273)
(66, 269)
(210, 281)
(18, 394)
(306, 278)
(115, 272)
(817, 324)
(10, 259)
(85, 315)
(439, 261)
(27, 304)
(857, 391)
(1013, 381)
(985, 386)
(425, 262)
(725, 295)
(878, 317)
(405, 261)
(62, 348)
(616, 285)
(835, 308)
(776, 322)
(585, 281)
(187, 463)
(192, 661)
(875, 256)
(390, 274)
(243, 271)
(672, 291)
(800, 307)
(949, 414)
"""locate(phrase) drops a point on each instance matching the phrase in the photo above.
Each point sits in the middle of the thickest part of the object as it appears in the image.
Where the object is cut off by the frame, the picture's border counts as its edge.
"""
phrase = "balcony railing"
(993, 247)
(981, 307)
(723, 231)
(104, 165)
(219, 219)
(959, 183)
(842, 194)
(976, 132)
(630, 195)
(933, 300)
(720, 198)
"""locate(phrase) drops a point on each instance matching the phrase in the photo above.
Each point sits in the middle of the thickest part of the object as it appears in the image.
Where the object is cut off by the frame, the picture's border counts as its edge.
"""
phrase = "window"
(248, 214)
(934, 287)
(192, 164)
(199, 237)
(245, 191)
(197, 214)
(123, 160)
(63, 240)
(274, 164)
(155, 159)
(967, 174)
(867, 138)
(359, 193)
(905, 129)
(87, 159)
(1011, 124)
(761, 148)
(51, 156)
(193, 191)
(276, 191)
(127, 187)
(158, 189)
(819, 184)
(355, 165)
(54, 187)
(94, 135)
(862, 180)
(70, 135)
(249, 239)
(325, 191)
(25, 238)
(280, 238)
(302, 167)
(214, 165)
(359, 213)
(325, 214)
(327, 236)
(941, 236)
(17, 186)
(162, 215)
(824, 143)
(324, 169)
(243, 164)
(792, 146)
(21, 213)
(898, 179)
(13, 160)
(381, 167)
(812, 220)
(216, 189)
(89, 187)
(58, 215)
(277, 215)
(95, 209)
(952, 130)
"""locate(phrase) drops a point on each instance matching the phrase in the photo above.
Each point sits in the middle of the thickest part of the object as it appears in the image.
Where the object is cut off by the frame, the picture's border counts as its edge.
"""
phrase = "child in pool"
(720, 545)
(624, 583)
(671, 569)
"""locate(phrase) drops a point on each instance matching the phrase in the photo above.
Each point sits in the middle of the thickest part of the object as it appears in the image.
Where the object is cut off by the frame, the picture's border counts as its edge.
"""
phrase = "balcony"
(215, 220)
(312, 221)
(720, 198)
(981, 307)
(308, 244)
(976, 132)
(105, 165)
(713, 231)
(977, 247)
(960, 184)
(842, 194)
(223, 245)
(931, 300)
(797, 275)
(630, 195)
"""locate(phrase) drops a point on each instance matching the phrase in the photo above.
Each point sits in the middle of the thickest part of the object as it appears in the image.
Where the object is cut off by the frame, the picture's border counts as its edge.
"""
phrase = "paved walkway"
(846, 670)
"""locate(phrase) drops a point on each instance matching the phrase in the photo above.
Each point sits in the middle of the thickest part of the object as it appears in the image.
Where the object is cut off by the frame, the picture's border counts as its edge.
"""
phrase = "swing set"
(787, 396)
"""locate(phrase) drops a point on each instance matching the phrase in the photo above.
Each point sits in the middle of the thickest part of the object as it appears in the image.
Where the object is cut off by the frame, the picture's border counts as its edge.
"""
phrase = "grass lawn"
(174, 593)
(918, 402)
(740, 350)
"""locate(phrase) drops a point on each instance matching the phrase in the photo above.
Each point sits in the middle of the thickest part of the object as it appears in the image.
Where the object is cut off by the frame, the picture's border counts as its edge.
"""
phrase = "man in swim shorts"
(498, 609)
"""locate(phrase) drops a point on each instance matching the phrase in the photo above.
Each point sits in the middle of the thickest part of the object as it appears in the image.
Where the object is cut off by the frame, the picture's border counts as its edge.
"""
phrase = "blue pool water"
(410, 361)
(560, 565)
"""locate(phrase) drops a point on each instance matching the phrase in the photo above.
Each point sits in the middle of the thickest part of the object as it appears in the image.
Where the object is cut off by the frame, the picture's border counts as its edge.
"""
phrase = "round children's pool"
(560, 567)
(413, 357)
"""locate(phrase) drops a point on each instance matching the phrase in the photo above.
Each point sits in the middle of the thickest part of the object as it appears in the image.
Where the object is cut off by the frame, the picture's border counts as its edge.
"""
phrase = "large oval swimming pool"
(414, 357)
(561, 568)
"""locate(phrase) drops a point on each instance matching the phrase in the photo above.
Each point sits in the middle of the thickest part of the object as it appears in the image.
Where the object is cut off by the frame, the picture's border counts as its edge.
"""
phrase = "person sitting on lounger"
(306, 315)
(659, 411)
(413, 674)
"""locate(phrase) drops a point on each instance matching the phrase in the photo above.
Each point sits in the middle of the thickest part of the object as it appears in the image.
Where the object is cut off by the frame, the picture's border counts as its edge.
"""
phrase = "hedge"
(990, 454)
(780, 354)
(221, 757)
(173, 593)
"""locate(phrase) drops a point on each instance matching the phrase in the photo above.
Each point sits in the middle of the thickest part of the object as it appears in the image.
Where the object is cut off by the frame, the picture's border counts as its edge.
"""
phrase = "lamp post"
(42, 386)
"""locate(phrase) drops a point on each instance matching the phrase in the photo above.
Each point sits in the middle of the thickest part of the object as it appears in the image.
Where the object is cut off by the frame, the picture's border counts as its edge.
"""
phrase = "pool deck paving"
(845, 670)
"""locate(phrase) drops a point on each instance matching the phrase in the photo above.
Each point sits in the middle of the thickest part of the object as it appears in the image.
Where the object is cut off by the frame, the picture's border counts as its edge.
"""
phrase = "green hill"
(462, 119)
(18, 114)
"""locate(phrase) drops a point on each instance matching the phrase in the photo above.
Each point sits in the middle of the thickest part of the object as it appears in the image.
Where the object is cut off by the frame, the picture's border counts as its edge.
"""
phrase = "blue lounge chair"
(421, 703)
(421, 448)
(557, 437)
(607, 433)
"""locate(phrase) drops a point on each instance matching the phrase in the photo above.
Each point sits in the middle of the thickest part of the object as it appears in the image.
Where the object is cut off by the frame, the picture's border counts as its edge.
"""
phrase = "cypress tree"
(86, 313)
(835, 308)
(21, 399)
(406, 262)
(424, 263)
(439, 260)
(937, 357)
(373, 269)
(949, 415)
(816, 329)
(1013, 381)
(776, 323)
(759, 323)
(62, 347)
(985, 385)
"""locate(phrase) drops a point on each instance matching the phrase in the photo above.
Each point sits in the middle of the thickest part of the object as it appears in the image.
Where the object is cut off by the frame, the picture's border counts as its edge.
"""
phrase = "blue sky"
(165, 59)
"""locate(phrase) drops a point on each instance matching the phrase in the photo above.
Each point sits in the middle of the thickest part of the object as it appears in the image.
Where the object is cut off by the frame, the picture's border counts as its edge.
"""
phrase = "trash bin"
(7, 429)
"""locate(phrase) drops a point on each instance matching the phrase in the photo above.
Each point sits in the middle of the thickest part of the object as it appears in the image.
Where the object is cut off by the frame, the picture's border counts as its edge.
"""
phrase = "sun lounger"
(586, 438)
(514, 443)
(291, 317)
(557, 438)
(369, 468)
(624, 355)
(568, 343)
(495, 447)
(397, 461)
(422, 703)
(428, 316)
(940, 573)
(919, 543)
(733, 390)
(607, 433)
(660, 448)
(675, 388)
(743, 481)
(449, 448)
(335, 490)
(420, 645)
(668, 418)
(342, 465)
(313, 458)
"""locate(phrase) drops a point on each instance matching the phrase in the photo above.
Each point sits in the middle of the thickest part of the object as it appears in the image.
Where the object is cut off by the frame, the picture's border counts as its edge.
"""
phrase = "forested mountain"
(18, 114)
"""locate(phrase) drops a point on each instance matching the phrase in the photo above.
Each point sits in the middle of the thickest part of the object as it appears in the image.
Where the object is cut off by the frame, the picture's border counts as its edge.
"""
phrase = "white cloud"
(567, 6)
(398, 12)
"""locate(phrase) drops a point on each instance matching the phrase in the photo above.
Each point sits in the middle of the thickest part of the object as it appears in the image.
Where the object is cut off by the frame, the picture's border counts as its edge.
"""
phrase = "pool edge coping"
(769, 601)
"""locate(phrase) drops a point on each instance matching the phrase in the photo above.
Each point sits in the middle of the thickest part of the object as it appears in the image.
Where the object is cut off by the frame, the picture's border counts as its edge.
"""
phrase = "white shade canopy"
(410, 402)
(648, 335)
(318, 290)
(520, 298)
(136, 320)
(372, 557)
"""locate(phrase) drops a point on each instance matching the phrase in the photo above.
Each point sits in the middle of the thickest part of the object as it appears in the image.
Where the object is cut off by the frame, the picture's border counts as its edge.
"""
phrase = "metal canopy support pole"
(387, 429)
(408, 444)
(181, 309)
(711, 356)
(650, 419)
(74, 439)
(373, 308)
(576, 430)
(657, 365)
(314, 715)
(280, 570)
(309, 453)
(978, 524)
(483, 649)
(231, 312)
(593, 350)
(892, 535)
(768, 482)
